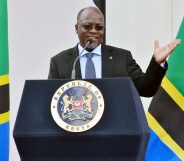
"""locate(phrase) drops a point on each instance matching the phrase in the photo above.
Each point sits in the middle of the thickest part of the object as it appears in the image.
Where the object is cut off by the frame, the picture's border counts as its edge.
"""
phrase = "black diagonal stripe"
(101, 4)
(169, 115)
(4, 98)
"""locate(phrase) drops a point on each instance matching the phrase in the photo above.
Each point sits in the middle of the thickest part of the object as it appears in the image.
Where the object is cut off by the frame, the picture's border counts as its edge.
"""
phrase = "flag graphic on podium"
(4, 83)
(166, 112)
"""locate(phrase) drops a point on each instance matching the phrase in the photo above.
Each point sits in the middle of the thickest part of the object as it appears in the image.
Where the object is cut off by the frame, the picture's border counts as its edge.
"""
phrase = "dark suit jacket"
(116, 62)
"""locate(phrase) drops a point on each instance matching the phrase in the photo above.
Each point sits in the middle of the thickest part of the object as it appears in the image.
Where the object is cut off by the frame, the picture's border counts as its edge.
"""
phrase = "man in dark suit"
(108, 61)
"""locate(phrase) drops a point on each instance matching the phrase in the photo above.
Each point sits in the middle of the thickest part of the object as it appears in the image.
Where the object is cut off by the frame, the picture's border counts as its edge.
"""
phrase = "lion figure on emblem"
(67, 101)
(88, 103)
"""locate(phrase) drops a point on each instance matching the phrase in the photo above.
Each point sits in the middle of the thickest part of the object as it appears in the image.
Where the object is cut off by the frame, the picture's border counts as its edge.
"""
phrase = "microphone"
(73, 70)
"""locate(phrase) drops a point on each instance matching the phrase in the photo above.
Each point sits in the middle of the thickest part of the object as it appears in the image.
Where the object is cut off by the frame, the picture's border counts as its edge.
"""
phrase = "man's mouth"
(92, 39)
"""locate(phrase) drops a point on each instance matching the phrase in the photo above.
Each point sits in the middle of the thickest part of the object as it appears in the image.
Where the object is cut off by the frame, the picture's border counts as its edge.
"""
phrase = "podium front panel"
(121, 132)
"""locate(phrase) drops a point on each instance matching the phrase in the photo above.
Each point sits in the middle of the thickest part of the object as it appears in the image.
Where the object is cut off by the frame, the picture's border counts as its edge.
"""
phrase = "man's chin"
(91, 47)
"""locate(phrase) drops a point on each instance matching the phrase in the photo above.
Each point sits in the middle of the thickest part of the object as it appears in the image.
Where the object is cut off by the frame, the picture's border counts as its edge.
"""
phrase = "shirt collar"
(97, 50)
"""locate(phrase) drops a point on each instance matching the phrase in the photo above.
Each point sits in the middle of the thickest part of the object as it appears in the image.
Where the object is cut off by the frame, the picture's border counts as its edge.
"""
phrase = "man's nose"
(93, 29)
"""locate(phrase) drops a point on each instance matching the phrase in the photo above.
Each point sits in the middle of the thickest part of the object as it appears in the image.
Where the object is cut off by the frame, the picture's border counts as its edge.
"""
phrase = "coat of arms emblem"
(77, 106)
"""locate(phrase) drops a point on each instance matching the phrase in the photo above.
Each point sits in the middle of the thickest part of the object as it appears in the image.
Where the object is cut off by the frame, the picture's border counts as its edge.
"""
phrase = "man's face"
(90, 27)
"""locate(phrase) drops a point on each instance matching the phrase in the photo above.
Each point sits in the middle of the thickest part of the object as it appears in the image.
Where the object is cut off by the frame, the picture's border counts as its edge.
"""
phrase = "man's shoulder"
(116, 50)
(65, 53)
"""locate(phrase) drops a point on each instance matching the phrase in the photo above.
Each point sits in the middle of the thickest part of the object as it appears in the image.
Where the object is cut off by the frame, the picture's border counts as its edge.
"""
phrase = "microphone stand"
(73, 70)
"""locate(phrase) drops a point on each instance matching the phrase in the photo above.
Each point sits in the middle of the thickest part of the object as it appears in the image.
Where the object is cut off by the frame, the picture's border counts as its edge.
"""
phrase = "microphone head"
(89, 41)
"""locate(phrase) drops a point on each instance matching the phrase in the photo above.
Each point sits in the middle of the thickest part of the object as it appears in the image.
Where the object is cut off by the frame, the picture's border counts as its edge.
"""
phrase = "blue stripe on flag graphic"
(4, 141)
(158, 151)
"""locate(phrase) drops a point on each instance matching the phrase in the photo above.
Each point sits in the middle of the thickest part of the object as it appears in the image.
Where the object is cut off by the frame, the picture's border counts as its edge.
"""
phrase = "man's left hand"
(161, 53)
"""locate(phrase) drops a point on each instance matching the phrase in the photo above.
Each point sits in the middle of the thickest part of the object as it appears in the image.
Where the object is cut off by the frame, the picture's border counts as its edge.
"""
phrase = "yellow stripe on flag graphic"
(4, 117)
(4, 79)
(164, 136)
(173, 92)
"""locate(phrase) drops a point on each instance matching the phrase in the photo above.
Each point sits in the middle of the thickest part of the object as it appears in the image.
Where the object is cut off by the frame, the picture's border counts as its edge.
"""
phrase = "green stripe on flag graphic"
(4, 66)
(176, 71)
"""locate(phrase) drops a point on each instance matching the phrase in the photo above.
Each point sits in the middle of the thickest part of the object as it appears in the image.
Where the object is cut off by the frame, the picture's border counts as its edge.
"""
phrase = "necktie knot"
(89, 55)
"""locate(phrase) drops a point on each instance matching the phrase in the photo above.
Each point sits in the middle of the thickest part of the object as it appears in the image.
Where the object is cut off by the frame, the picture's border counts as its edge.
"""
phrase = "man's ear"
(76, 28)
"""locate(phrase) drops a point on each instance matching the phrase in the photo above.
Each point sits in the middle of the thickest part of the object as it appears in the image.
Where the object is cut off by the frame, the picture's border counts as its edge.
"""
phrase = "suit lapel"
(107, 62)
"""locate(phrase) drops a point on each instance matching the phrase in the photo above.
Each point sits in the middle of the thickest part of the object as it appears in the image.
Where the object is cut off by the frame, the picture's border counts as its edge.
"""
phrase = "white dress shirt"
(97, 60)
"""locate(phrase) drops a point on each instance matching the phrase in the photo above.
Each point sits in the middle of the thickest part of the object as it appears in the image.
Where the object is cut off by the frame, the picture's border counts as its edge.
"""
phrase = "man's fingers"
(156, 44)
(173, 44)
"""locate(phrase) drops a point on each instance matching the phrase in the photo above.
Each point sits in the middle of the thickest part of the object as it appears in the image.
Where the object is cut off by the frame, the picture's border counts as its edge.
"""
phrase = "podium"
(121, 134)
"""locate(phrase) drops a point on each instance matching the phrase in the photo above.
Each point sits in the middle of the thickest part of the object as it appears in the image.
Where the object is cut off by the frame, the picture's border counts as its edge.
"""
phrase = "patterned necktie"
(90, 68)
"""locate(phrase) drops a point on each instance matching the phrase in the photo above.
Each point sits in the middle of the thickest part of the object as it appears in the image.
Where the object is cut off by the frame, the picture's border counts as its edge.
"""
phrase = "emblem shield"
(77, 106)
